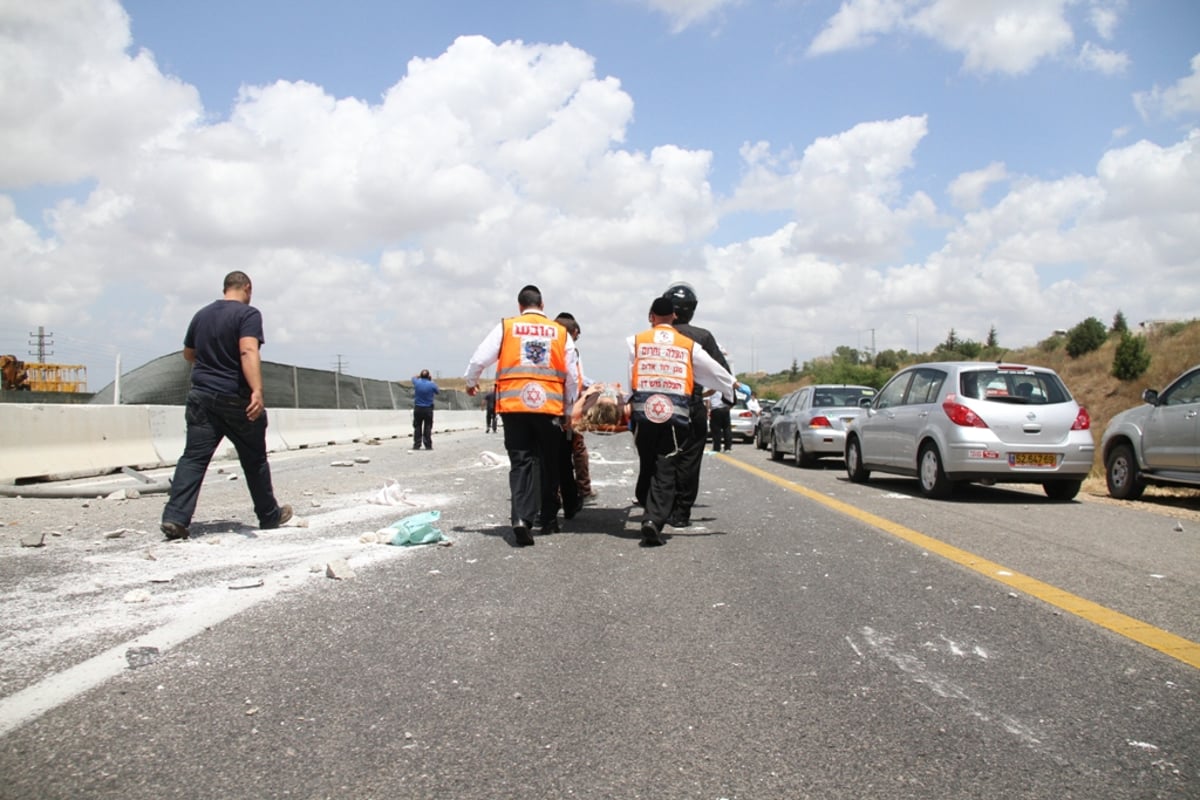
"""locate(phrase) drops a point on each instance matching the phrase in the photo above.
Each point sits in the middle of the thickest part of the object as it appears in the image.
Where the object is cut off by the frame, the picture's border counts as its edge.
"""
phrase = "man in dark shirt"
(225, 401)
(691, 455)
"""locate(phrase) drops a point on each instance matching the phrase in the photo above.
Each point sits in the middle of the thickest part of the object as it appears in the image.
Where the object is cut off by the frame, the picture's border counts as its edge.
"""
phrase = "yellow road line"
(1177, 647)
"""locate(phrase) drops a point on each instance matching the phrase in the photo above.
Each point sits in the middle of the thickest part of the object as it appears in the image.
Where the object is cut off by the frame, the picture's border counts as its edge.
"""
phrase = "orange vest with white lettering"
(531, 371)
(662, 376)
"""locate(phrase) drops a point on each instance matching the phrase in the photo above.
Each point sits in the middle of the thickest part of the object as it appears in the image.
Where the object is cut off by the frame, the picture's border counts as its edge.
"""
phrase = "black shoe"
(551, 527)
(573, 509)
(679, 522)
(522, 535)
(285, 513)
(650, 537)
(173, 530)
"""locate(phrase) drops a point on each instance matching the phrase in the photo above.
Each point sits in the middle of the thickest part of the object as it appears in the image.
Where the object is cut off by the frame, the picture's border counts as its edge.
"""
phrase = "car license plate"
(1039, 460)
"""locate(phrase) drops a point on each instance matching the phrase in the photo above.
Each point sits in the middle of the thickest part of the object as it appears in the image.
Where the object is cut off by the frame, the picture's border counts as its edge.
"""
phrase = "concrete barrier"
(314, 427)
(384, 424)
(58, 441)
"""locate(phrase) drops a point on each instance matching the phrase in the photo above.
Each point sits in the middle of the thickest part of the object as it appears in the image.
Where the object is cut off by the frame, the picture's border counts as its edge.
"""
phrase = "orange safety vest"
(662, 376)
(531, 371)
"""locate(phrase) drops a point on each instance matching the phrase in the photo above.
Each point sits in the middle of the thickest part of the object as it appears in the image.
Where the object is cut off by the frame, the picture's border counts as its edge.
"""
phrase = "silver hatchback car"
(810, 423)
(970, 421)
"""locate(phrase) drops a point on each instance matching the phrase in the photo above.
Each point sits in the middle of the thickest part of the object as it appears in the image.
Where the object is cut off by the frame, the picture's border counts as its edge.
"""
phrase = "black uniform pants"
(687, 463)
(659, 448)
(533, 443)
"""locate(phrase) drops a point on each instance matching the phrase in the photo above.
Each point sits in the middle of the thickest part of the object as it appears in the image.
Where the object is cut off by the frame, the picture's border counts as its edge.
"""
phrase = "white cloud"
(1098, 59)
(1175, 101)
(685, 13)
(1105, 16)
(1005, 36)
(73, 103)
(966, 191)
(379, 230)
(845, 190)
(857, 24)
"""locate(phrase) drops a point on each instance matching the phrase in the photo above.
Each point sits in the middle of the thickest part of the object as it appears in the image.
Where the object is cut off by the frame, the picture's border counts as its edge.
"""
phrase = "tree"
(1119, 325)
(1085, 337)
(993, 341)
(1131, 358)
(794, 372)
(887, 360)
(846, 354)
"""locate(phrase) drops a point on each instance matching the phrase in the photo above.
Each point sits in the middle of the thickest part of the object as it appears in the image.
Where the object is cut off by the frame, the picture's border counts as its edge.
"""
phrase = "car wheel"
(934, 482)
(1062, 490)
(854, 463)
(776, 453)
(803, 459)
(1122, 474)
(759, 441)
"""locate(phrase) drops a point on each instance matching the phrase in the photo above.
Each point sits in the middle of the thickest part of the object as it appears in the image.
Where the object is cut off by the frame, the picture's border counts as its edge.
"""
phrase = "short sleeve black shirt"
(214, 334)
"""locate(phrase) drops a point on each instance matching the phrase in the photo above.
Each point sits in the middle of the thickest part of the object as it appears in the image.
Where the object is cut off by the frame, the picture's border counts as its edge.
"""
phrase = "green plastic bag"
(417, 529)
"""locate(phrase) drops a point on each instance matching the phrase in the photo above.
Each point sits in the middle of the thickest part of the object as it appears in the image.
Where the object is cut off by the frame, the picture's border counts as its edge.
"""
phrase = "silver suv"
(963, 421)
(1158, 442)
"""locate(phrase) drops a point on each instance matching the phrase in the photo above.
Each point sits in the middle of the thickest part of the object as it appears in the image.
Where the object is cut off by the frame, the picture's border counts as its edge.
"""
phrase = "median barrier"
(314, 427)
(390, 424)
(58, 441)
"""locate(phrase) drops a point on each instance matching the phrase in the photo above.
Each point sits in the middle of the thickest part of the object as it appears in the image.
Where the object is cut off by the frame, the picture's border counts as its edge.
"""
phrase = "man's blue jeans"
(210, 418)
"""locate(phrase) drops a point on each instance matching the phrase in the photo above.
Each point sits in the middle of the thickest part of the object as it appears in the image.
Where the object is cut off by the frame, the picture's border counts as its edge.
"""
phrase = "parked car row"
(950, 423)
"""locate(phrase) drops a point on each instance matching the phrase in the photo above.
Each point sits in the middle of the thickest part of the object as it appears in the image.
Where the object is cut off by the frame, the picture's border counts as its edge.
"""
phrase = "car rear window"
(840, 396)
(1014, 386)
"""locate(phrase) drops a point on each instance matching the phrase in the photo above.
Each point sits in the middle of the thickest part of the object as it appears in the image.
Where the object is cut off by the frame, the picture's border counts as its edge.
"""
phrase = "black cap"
(662, 307)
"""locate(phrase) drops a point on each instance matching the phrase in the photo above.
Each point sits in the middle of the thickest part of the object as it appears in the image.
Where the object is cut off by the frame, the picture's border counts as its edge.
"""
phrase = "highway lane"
(1131, 557)
(780, 648)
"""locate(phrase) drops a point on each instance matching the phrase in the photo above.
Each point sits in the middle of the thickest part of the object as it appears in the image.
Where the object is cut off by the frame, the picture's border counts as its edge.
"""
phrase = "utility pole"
(41, 344)
(337, 383)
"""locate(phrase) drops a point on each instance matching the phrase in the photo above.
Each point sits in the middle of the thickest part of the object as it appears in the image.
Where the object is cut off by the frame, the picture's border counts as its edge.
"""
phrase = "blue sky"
(391, 173)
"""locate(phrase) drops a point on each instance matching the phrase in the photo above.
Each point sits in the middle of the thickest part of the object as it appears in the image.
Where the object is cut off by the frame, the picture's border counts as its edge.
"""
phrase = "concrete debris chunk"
(117, 534)
(33, 540)
(361, 460)
(246, 583)
(137, 657)
(1178, 526)
(123, 494)
(136, 596)
(338, 569)
(341, 463)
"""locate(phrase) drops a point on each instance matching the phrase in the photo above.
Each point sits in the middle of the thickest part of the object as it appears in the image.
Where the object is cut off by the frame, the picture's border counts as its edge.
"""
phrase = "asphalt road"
(786, 646)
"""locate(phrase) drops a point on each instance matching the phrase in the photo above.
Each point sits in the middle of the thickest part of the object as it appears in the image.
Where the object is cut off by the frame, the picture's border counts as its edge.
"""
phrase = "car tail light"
(960, 414)
(746, 414)
(819, 422)
(1083, 420)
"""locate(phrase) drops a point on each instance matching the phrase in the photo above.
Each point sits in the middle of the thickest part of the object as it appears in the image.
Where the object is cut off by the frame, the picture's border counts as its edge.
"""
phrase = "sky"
(824, 173)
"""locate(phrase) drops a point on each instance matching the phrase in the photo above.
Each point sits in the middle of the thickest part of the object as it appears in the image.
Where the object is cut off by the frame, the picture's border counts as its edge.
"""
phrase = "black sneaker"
(285, 513)
(679, 522)
(551, 527)
(650, 537)
(522, 535)
(173, 530)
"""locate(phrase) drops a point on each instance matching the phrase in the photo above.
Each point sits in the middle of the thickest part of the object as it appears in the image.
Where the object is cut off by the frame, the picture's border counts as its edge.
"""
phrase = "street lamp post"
(917, 320)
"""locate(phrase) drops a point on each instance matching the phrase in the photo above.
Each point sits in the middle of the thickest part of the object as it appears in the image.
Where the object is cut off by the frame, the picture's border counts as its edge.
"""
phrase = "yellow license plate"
(1043, 460)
